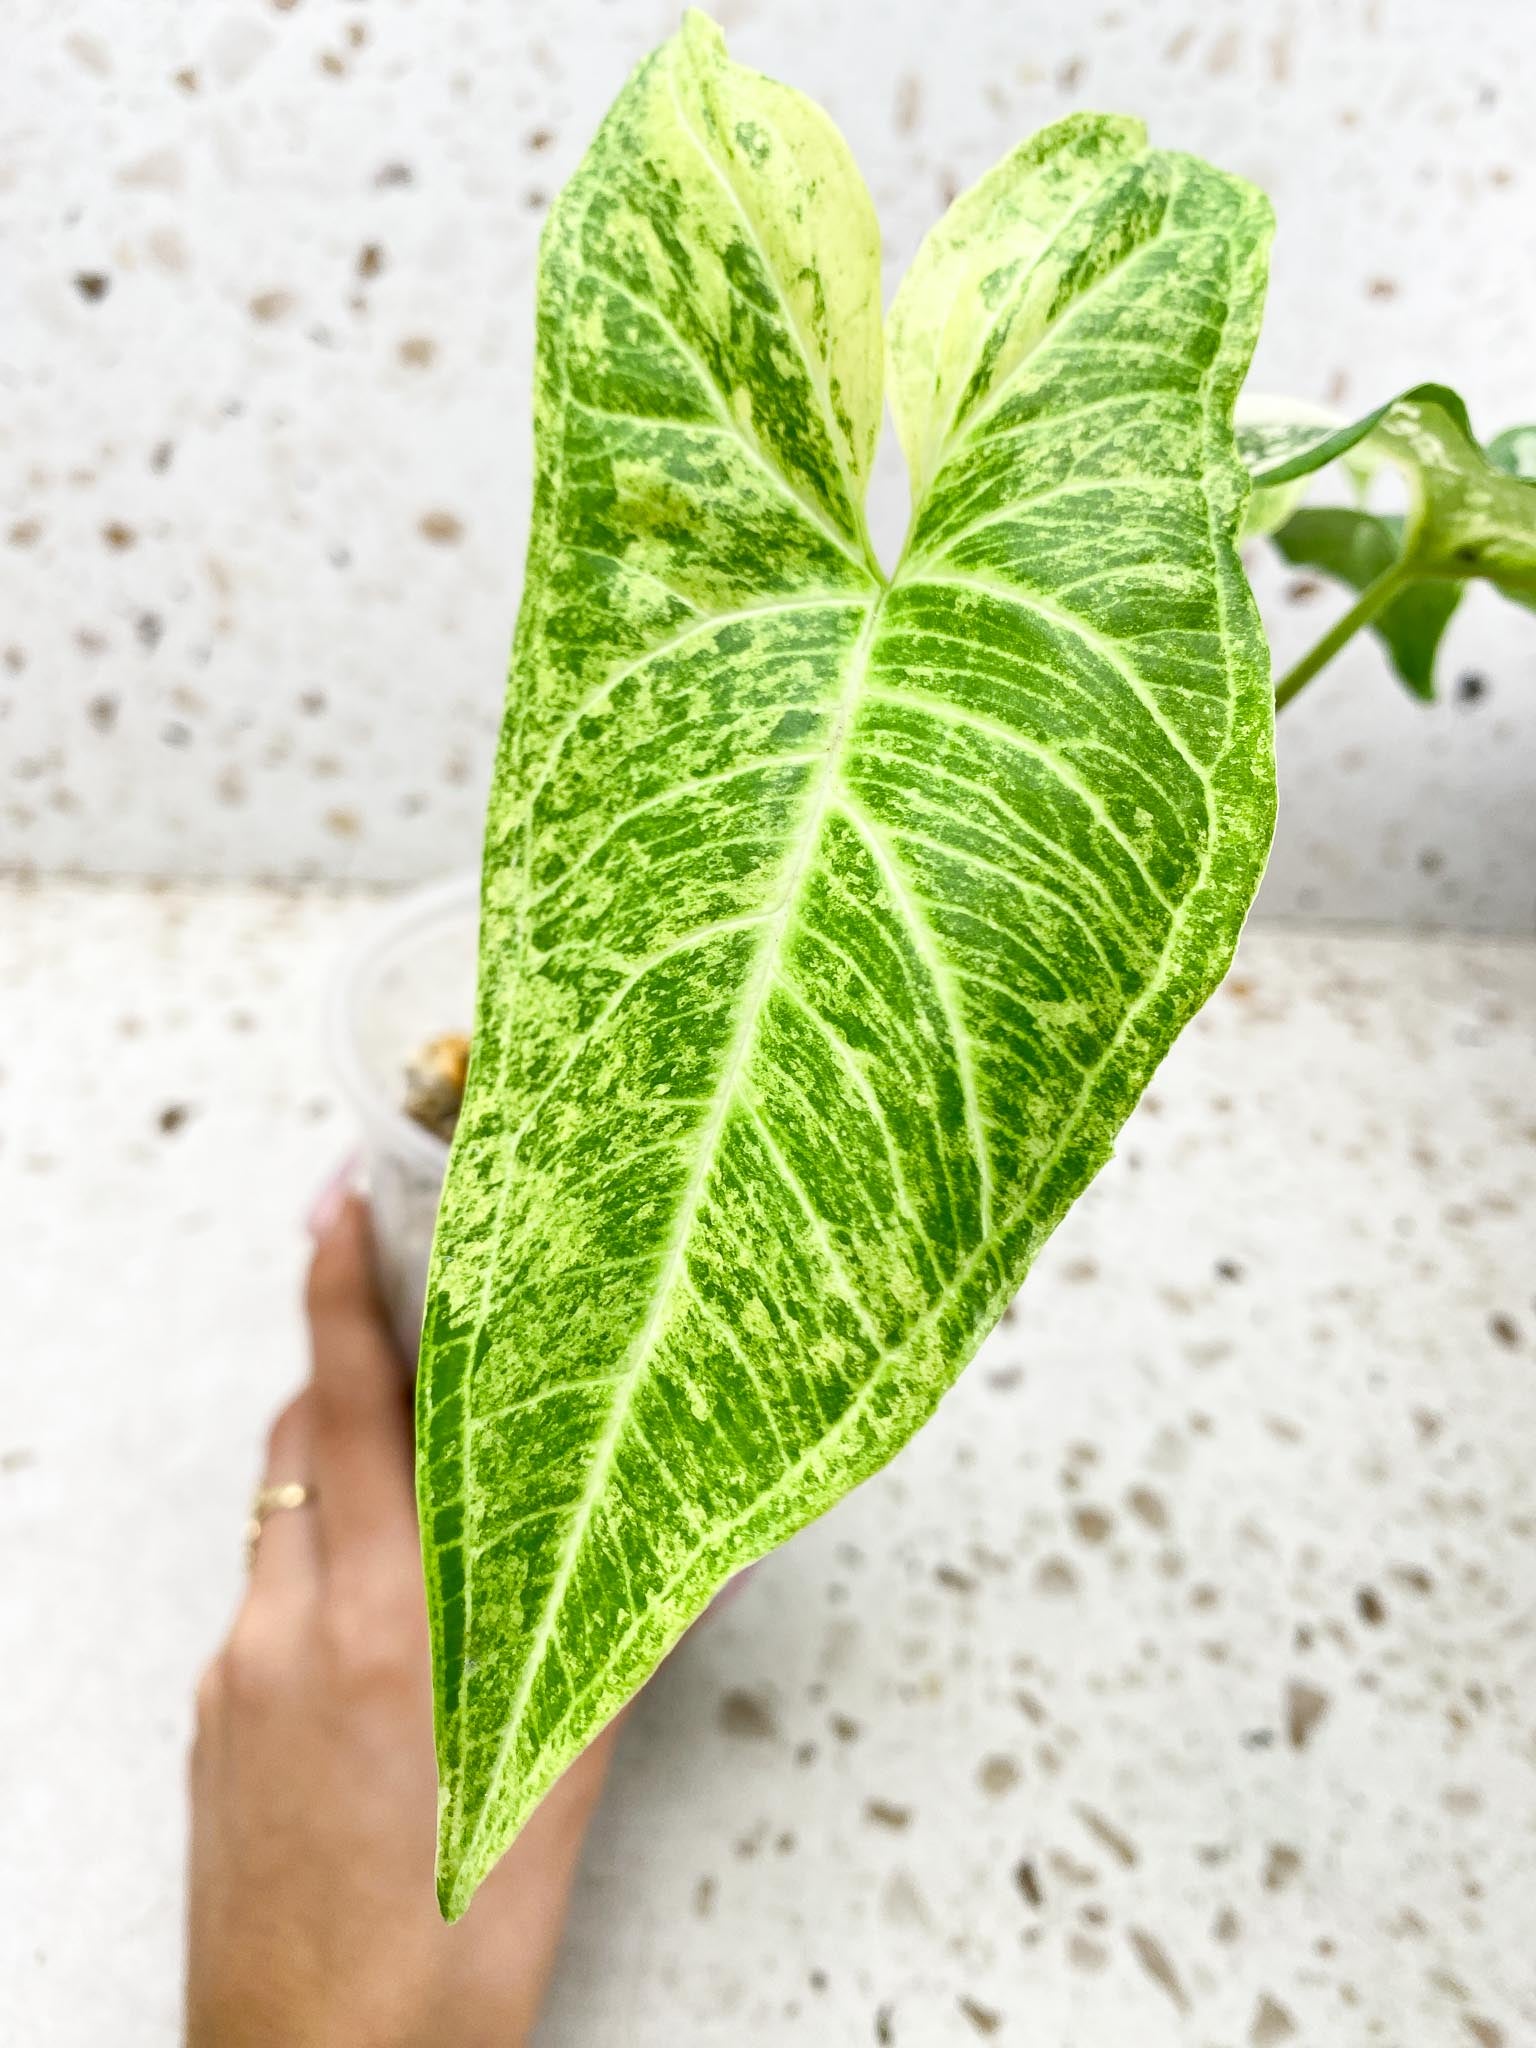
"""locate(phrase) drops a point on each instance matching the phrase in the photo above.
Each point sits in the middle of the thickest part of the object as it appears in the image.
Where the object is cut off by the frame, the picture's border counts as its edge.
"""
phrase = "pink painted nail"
(328, 1204)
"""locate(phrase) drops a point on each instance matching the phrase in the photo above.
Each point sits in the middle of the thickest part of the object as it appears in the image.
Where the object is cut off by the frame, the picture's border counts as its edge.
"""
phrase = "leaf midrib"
(828, 794)
(1153, 986)
(825, 797)
(711, 1132)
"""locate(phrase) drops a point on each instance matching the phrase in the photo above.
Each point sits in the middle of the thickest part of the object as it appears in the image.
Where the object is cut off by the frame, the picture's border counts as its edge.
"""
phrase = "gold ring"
(271, 1500)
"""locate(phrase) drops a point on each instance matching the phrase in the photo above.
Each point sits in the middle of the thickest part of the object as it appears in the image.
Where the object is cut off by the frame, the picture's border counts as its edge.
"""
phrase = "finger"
(286, 1563)
(360, 1414)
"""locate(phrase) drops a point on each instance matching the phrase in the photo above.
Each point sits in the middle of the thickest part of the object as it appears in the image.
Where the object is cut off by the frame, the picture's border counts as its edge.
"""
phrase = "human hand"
(313, 1920)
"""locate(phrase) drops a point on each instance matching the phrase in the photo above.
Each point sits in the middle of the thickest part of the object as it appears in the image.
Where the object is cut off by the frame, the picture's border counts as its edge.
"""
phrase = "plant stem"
(1374, 598)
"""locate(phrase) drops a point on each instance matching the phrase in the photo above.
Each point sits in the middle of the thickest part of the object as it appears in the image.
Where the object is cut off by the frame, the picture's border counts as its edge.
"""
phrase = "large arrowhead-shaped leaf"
(831, 927)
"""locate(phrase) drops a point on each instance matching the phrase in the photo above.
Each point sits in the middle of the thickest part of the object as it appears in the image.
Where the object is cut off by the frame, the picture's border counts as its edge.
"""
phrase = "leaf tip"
(457, 1882)
(701, 35)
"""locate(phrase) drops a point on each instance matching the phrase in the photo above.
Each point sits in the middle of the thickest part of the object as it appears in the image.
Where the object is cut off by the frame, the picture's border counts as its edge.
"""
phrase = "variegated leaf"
(832, 925)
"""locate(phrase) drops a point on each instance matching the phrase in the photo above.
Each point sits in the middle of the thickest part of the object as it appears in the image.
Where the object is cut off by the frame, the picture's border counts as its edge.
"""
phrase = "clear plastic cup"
(408, 978)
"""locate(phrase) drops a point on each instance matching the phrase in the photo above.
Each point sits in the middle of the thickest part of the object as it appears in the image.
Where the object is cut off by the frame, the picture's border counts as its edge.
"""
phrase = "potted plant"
(832, 920)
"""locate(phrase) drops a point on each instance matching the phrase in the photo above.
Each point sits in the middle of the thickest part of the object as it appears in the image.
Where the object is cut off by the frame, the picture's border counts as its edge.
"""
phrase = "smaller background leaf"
(1356, 548)
(1514, 451)
(1270, 430)
(1279, 446)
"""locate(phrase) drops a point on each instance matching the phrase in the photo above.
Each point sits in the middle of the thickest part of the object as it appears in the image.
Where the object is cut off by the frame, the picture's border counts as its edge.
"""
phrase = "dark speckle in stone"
(883, 1814)
(1154, 1960)
(1280, 1866)
(997, 1775)
(1370, 1606)
(1271, 2024)
(1092, 1524)
(174, 1117)
(102, 712)
(1471, 688)
(92, 285)
(1118, 1844)
(1505, 1329)
(747, 1714)
(885, 2027)
(1414, 1577)
(1028, 1882)
(1305, 1706)
(981, 2017)
(1483, 2032)
(1148, 1507)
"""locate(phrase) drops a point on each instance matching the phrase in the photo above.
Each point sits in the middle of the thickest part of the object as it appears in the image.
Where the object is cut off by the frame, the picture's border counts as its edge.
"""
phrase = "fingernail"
(331, 1200)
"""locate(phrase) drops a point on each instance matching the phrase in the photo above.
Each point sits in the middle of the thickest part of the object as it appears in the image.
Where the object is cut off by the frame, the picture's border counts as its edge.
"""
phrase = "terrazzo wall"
(265, 308)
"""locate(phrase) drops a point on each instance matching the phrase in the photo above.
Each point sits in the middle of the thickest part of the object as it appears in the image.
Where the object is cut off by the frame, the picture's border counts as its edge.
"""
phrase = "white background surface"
(1284, 1348)
(227, 643)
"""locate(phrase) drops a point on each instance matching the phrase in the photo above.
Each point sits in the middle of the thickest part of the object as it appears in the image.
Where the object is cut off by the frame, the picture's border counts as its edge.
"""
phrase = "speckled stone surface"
(1174, 1687)
(265, 321)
